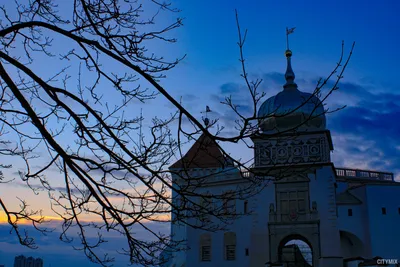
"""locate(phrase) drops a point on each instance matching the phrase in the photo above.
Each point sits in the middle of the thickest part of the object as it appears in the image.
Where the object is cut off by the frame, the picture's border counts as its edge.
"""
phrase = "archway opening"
(295, 251)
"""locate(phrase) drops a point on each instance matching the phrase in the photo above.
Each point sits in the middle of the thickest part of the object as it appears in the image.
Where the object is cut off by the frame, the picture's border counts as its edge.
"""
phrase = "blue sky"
(365, 134)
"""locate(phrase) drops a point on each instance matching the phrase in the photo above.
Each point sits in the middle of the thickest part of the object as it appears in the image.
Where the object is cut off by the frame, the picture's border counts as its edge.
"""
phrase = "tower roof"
(291, 109)
(289, 74)
(203, 154)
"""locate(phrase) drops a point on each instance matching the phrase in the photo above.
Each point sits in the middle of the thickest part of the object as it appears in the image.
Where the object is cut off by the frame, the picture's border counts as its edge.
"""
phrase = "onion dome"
(291, 109)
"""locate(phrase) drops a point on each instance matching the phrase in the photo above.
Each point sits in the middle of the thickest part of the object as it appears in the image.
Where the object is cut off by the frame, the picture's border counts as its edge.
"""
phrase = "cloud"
(4, 219)
(230, 88)
(189, 98)
(370, 123)
(226, 116)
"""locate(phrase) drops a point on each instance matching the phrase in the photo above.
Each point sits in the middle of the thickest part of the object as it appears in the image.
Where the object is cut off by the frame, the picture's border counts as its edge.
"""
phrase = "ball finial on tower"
(205, 119)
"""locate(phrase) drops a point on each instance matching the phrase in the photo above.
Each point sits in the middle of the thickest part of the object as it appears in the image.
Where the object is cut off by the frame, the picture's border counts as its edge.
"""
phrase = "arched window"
(230, 246)
(205, 247)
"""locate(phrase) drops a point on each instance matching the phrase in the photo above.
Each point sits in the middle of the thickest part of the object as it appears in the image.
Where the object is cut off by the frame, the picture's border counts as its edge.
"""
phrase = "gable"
(204, 153)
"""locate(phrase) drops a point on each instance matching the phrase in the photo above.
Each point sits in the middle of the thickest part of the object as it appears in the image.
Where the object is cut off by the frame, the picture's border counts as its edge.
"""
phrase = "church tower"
(293, 147)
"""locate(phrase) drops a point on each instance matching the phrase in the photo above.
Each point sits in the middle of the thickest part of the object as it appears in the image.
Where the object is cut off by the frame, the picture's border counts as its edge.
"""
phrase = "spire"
(289, 75)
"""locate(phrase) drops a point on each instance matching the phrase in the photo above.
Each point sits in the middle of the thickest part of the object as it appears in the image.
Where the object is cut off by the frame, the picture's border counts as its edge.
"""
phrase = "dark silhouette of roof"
(347, 198)
(203, 154)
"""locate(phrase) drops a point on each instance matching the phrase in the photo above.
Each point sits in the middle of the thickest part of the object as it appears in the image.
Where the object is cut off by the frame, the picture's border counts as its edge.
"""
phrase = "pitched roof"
(203, 154)
(347, 198)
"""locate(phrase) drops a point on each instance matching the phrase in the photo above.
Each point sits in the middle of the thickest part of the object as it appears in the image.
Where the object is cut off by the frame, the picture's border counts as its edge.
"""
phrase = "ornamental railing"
(364, 174)
(352, 174)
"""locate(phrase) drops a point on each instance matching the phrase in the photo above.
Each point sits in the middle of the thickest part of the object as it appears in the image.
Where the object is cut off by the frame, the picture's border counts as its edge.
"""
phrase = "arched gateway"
(295, 251)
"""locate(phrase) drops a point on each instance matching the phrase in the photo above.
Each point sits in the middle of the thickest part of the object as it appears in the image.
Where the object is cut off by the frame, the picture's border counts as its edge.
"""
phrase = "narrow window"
(350, 212)
(399, 210)
(284, 207)
(293, 205)
(247, 252)
(230, 252)
(230, 246)
(245, 207)
(206, 253)
(384, 211)
(302, 205)
(205, 247)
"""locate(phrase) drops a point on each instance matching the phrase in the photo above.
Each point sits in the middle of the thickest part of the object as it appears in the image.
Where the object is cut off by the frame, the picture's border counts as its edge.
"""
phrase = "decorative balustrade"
(365, 174)
(247, 174)
(352, 173)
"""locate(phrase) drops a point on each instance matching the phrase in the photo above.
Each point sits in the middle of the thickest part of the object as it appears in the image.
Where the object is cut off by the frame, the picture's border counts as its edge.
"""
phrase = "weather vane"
(206, 120)
(288, 31)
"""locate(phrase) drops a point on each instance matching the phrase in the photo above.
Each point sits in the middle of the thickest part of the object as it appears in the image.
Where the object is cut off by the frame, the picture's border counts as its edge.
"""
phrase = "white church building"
(317, 215)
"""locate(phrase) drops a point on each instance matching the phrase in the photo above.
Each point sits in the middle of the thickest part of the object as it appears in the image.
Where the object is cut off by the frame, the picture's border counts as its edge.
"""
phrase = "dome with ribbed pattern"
(291, 109)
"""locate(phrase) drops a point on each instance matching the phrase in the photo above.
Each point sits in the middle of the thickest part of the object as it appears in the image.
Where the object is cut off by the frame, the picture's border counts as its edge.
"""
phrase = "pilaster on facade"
(332, 208)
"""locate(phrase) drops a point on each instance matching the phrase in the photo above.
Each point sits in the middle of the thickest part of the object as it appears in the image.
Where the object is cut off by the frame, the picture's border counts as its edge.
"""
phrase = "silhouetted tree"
(76, 119)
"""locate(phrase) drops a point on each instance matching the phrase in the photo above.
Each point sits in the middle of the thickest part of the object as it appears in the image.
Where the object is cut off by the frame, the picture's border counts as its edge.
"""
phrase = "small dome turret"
(291, 109)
